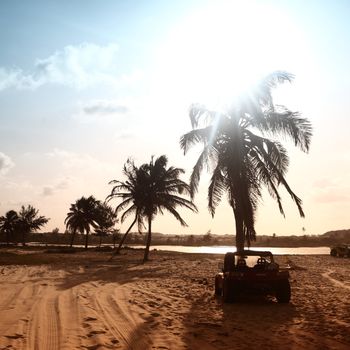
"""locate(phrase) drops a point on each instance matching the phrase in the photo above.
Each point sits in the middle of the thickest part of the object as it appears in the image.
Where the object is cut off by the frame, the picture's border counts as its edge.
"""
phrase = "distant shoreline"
(328, 239)
(212, 250)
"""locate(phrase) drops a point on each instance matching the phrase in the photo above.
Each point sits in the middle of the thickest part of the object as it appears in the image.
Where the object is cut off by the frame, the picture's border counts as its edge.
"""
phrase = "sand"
(83, 301)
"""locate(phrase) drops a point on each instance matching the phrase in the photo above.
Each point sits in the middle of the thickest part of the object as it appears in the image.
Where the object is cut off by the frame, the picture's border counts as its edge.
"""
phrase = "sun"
(218, 51)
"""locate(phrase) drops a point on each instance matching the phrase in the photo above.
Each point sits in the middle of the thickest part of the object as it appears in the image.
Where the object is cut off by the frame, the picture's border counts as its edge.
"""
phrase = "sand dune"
(82, 301)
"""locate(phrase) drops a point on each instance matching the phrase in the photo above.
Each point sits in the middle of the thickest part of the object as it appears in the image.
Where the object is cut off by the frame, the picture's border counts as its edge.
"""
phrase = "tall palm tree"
(130, 192)
(242, 157)
(82, 215)
(151, 189)
(29, 221)
(8, 224)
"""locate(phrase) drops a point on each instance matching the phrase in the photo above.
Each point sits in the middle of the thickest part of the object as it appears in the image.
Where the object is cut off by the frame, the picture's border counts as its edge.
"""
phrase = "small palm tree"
(82, 215)
(29, 221)
(151, 189)
(106, 221)
(243, 159)
(8, 224)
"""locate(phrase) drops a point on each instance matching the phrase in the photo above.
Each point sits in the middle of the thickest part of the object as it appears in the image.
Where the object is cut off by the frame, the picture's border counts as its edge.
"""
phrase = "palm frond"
(216, 189)
(287, 123)
(279, 176)
(197, 169)
(171, 210)
(128, 212)
(195, 136)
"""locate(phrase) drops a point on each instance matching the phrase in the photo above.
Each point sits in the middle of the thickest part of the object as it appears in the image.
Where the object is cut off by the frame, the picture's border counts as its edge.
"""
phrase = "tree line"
(17, 225)
(241, 149)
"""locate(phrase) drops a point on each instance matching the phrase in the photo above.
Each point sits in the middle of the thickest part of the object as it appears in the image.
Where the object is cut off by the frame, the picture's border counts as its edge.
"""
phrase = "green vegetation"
(87, 213)
(23, 223)
(107, 219)
(326, 240)
(8, 225)
(242, 158)
(149, 190)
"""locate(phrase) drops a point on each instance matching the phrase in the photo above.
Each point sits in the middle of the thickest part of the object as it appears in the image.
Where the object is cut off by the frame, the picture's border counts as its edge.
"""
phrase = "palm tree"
(82, 215)
(151, 189)
(8, 224)
(29, 221)
(242, 158)
(106, 221)
(130, 192)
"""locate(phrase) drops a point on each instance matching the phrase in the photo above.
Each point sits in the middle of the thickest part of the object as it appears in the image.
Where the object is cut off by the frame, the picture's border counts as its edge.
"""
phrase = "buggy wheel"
(226, 293)
(283, 291)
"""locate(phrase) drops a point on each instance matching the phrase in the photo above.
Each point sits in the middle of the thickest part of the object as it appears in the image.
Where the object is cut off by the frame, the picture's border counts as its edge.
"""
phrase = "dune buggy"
(341, 250)
(252, 272)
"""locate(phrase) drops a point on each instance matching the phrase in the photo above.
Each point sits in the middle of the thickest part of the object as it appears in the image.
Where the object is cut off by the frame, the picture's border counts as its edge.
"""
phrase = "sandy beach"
(84, 301)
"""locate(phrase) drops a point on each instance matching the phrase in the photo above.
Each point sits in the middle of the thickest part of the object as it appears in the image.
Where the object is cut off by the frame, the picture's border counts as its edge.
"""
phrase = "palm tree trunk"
(123, 239)
(114, 239)
(72, 238)
(100, 240)
(87, 239)
(23, 238)
(149, 239)
(239, 231)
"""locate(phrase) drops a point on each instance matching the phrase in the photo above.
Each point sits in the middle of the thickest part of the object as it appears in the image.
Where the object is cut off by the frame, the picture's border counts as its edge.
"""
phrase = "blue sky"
(86, 84)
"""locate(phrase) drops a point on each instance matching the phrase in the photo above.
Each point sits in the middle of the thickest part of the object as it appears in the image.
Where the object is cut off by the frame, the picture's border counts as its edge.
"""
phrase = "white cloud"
(332, 194)
(78, 66)
(84, 173)
(59, 185)
(124, 135)
(331, 190)
(106, 110)
(18, 186)
(79, 162)
(48, 191)
(104, 107)
(5, 163)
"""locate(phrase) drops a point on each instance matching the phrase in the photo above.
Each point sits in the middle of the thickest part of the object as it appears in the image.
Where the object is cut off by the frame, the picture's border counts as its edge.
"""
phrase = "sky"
(84, 85)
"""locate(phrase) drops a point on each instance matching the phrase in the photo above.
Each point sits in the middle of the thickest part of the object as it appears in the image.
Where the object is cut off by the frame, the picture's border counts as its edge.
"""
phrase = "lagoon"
(212, 249)
(225, 249)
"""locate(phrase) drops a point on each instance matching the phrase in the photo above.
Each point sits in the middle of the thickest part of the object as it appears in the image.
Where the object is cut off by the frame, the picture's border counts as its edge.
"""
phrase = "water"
(225, 249)
(215, 249)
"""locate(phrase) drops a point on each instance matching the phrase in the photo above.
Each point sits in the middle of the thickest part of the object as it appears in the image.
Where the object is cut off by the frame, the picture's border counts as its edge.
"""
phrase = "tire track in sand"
(334, 281)
(70, 320)
(112, 311)
(43, 326)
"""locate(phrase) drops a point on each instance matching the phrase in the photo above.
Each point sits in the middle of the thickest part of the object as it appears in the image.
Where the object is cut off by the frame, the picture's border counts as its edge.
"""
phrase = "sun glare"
(215, 53)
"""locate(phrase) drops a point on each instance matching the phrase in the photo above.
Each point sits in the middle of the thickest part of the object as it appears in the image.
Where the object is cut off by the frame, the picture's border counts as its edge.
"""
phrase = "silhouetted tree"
(29, 221)
(130, 192)
(55, 231)
(151, 189)
(82, 215)
(106, 221)
(207, 238)
(8, 224)
(243, 159)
